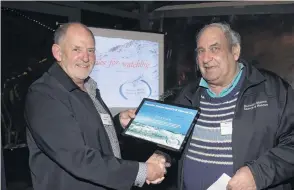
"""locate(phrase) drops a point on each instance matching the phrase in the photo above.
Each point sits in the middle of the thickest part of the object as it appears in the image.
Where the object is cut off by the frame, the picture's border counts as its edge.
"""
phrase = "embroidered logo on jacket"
(256, 105)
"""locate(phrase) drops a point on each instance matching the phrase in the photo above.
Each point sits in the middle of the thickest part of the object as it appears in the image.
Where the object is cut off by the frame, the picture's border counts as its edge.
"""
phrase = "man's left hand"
(242, 180)
(126, 116)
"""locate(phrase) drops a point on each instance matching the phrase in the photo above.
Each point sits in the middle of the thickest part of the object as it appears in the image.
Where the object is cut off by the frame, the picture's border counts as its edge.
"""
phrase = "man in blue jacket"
(246, 124)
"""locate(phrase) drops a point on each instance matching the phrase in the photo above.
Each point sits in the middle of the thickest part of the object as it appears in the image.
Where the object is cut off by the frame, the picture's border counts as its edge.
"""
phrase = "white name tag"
(106, 119)
(226, 128)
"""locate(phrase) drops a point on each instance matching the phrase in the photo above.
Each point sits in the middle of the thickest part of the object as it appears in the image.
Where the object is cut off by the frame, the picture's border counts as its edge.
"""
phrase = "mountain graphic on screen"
(134, 49)
(157, 135)
(131, 67)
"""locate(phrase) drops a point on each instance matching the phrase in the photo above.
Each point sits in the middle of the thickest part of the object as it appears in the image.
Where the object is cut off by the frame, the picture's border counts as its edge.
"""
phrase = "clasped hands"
(156, 169)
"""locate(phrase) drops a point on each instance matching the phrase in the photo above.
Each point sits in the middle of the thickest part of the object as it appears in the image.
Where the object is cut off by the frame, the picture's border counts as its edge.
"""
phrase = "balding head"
(61, 32)
(74, 51)
(233, 38)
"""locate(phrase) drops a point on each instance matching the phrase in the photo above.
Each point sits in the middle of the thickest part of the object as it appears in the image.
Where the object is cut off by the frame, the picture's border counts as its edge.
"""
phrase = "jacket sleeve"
(58, 135)
(277, 165)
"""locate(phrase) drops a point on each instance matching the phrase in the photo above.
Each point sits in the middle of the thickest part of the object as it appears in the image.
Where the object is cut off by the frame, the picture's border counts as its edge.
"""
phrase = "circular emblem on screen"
(136, 89)
(172, 141)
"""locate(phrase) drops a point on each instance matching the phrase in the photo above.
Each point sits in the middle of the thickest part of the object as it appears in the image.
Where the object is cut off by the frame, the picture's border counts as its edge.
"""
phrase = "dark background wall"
(267, 42)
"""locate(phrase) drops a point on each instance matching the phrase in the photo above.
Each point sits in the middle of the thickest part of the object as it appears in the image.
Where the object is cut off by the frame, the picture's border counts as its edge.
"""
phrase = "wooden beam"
(144, 20)
(223, 8)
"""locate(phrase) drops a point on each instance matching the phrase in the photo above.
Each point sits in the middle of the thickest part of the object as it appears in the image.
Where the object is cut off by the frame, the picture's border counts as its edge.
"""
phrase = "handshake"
(156, 168)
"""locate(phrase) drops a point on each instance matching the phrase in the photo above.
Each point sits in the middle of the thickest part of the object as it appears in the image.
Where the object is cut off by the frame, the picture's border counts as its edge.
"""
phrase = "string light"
(24, 73)
(35, 21)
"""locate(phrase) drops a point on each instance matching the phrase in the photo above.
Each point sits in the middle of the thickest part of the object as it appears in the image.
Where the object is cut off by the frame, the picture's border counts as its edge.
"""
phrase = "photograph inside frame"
(166, 125)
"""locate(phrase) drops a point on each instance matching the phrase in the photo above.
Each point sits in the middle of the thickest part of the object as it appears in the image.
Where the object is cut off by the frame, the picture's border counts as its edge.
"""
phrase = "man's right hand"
(155, 172)
(159, 161)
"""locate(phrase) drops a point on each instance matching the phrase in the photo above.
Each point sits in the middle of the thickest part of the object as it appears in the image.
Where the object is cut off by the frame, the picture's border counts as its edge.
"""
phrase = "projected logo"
(136, 89)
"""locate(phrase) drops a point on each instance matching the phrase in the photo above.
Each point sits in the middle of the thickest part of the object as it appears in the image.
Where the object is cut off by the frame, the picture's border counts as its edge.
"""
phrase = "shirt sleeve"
(142, 175)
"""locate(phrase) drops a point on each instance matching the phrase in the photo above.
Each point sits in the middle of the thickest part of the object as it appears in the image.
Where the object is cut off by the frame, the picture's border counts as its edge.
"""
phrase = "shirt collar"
(204, 84)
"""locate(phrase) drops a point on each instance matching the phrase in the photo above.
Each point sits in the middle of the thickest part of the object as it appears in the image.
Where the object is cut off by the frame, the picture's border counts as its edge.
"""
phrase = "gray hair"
(232, 36)
(60, 32)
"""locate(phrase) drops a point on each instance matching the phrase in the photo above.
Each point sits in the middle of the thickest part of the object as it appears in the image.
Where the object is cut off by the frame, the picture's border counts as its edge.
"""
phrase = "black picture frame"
(161, 146)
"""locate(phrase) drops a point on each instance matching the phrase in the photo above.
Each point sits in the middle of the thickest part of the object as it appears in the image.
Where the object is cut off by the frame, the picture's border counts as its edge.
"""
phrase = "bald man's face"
(217, 62)
(76, 53)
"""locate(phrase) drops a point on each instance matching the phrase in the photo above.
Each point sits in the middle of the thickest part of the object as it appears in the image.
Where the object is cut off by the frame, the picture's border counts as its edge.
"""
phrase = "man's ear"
(236, 50)
(56, 51)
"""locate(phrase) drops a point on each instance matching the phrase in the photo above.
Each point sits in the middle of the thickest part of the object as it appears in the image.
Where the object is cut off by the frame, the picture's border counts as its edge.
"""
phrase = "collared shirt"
(227, 90)
(91, 87)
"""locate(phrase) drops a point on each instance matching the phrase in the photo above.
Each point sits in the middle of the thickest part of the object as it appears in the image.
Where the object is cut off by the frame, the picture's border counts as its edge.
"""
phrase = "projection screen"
(129, 67)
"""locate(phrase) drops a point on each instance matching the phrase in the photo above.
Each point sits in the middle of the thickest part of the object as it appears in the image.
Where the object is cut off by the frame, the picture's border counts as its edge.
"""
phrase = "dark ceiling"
(135, 5)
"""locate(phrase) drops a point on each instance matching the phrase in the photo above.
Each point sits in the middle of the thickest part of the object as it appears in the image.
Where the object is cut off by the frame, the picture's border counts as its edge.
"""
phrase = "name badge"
(106, 119)
(226, 128)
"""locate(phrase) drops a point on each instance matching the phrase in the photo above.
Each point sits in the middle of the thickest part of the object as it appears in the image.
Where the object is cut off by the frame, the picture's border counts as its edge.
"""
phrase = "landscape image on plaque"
(162, 124)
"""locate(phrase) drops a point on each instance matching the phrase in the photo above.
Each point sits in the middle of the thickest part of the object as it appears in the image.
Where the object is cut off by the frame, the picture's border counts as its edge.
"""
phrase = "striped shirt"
(209, 153)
